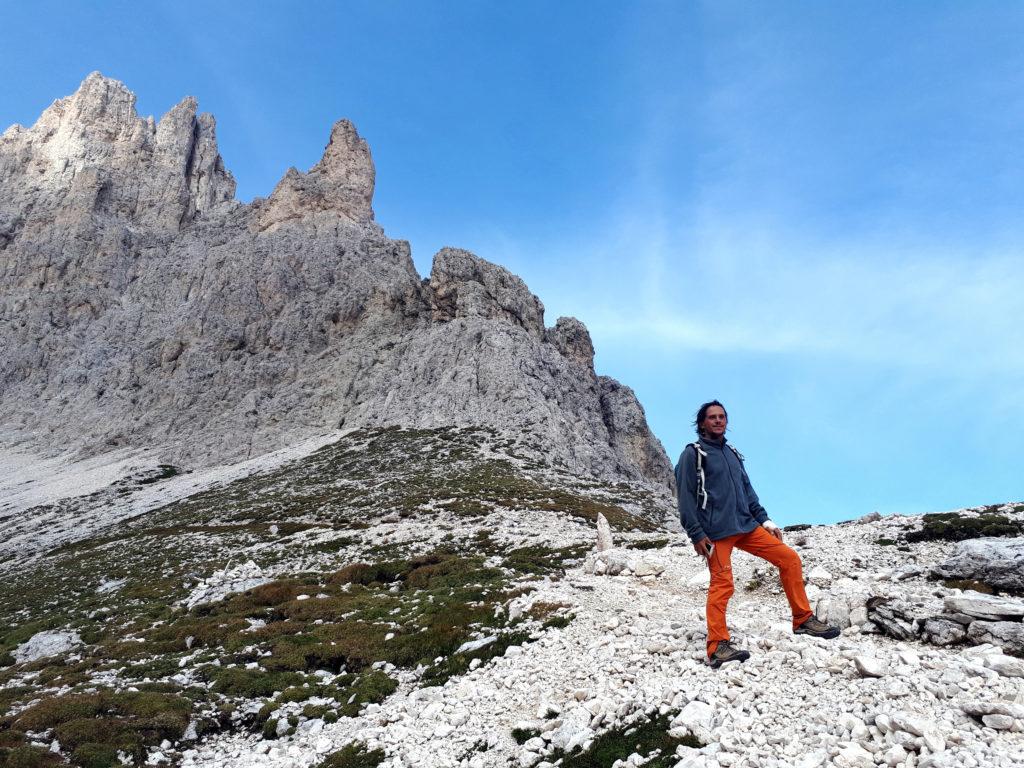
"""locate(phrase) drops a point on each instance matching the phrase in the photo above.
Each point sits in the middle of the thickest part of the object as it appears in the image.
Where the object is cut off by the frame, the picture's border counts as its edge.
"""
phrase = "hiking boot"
(816, 628)
(724, 652)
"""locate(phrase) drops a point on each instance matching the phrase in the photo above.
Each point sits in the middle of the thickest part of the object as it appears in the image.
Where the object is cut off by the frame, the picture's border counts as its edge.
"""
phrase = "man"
(719, 511)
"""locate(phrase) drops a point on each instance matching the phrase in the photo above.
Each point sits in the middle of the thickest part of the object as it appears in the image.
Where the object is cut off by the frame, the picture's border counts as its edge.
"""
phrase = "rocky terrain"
(143, 307)
(437, 598)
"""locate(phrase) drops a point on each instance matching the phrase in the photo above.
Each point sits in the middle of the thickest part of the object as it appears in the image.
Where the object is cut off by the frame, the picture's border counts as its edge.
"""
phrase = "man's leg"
(719, 591)
(761, 543)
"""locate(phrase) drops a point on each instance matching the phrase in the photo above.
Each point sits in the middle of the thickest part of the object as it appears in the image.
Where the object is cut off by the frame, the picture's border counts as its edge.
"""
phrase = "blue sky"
(811, 211)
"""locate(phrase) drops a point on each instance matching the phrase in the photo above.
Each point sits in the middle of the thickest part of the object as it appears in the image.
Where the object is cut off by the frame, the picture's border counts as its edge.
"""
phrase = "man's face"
(715, 422)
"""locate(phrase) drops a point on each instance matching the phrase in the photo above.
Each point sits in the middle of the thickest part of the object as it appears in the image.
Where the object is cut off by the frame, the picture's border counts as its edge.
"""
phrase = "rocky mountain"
(142, 306)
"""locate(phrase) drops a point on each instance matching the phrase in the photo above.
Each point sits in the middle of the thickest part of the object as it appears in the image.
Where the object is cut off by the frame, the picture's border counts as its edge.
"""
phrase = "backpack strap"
(702, 493)
(738, 454)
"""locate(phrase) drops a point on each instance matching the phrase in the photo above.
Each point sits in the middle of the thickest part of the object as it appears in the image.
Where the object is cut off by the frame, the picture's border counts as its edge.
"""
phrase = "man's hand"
(773, 529)
(704, 547)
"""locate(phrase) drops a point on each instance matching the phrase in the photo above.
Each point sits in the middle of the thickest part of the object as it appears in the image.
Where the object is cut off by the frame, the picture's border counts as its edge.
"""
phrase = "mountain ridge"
(145, 307)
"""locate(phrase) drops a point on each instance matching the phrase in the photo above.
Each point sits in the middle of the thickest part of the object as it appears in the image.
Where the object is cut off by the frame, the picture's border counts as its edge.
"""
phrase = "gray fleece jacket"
(732, 506)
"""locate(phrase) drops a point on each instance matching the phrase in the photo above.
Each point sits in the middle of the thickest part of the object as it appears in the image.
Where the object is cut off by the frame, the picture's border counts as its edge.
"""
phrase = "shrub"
(354, 756)
(954, 526)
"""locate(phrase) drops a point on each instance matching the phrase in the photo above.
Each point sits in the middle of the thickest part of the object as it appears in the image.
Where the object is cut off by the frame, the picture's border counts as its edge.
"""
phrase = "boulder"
(697, 718)
(1007, 666)
(49, 643)
(1008, 635)
(819, 577)
(895, 618)
(998, 562)
(984, 606)
(941, 631)
(833, 610)
(868, 666)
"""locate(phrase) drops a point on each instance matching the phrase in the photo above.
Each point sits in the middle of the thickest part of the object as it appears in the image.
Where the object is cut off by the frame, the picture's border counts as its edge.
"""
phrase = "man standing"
(719, 511)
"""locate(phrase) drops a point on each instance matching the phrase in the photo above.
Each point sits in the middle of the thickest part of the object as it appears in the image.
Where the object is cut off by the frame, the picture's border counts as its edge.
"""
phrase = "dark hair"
(702, 412)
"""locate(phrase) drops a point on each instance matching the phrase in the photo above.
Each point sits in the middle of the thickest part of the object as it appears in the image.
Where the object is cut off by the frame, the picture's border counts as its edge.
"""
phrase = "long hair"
(702, 413)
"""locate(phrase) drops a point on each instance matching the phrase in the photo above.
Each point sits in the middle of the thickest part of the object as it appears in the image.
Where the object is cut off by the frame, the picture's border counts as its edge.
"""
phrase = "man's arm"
(686, 490)
(756, 510)
(759, 513)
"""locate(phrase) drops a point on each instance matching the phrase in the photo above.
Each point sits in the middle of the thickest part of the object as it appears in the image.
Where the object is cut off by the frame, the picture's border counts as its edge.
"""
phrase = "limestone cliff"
(141, 305)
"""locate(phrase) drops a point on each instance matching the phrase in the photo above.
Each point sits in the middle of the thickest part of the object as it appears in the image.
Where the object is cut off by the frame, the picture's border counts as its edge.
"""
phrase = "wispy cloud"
(735, 287)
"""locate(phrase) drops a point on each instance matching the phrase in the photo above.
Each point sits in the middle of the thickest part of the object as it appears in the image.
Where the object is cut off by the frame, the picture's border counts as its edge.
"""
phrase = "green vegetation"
(95, 727)
(648, 736)
(162, 472)
(954, 526)
(354, 756)
(647, 543)
(884, 542)
(523, 735)
(328, 633)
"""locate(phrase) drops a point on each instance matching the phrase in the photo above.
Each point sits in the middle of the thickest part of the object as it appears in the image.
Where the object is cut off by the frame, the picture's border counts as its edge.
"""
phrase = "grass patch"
(458, 663)
(523, 735)
(647, 737)
(94, 727)
(162, 472)
(540, 560)
(354, 756)
(884, 542)
(648, 544)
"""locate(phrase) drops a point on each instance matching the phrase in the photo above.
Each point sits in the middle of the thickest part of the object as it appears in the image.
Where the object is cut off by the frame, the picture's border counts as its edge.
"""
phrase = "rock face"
(141, 305)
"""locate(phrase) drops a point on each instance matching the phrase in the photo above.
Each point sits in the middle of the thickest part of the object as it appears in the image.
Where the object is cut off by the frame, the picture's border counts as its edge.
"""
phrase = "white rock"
(853, 755)
(1007, 666)
(910, 723)
(645, 568)
(698, 718)
(813, 759)
(701, 579)
(868, 666)
(604, 534)
(985, 606)
(895, 755)
(49, 643)
(998, 722)
(474, 645)
(819, 577)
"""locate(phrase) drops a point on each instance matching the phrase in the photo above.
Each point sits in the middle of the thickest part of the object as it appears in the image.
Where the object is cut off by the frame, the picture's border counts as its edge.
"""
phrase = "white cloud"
(747, 288)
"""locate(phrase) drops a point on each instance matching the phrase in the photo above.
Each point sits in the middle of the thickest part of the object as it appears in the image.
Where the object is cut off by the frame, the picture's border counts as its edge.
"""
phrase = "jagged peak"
(340, 185)
(100, 97)
(464, 285)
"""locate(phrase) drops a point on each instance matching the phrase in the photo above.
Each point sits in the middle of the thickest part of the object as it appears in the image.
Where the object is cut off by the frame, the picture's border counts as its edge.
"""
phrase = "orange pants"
(761, 543)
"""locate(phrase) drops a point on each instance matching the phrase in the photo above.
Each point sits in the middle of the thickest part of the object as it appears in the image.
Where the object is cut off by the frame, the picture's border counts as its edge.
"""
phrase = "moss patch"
(954, 526)
(647, 737)
(354, 756)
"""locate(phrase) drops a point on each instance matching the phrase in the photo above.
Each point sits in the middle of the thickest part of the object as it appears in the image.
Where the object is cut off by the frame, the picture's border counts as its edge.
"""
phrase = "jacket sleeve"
(686, 490)
(756, 510)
